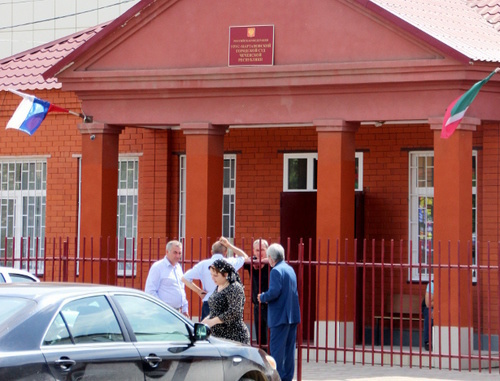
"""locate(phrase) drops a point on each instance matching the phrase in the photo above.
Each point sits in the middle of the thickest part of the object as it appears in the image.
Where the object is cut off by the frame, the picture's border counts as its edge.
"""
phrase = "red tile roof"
(467, 27)
(23, 71)
(489, 9)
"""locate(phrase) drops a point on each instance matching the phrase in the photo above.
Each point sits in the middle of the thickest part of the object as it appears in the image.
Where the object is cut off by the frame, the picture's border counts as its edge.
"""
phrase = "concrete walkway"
(336, 372)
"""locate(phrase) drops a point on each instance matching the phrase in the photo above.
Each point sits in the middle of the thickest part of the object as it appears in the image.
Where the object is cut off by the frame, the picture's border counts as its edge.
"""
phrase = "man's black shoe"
(426, 345)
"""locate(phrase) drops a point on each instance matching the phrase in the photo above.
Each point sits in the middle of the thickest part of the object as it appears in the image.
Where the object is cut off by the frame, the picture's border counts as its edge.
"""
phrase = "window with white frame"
(23, 192)
(474, 213)
(182, 197)
(228, 197)
(358, 185)
(421, 212)
(126, 224)
(300, 172)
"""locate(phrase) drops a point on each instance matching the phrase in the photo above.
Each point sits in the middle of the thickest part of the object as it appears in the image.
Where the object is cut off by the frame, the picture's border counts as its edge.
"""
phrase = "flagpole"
(455, 112)
(86, 118)
(22, 95)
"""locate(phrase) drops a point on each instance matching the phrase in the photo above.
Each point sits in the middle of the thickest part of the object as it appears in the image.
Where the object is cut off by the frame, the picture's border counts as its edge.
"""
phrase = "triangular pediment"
(194, 34)
(165, 62)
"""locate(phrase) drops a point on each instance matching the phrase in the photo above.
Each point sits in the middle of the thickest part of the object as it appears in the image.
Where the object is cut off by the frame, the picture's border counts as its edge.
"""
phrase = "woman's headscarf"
(223, 266)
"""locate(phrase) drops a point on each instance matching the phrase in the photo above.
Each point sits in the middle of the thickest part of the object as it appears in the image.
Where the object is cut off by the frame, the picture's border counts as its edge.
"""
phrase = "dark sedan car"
(59, 331)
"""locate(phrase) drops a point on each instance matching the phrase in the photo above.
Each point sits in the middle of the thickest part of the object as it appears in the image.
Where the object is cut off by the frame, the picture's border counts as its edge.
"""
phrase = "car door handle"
(237, 360)
(153, 360)
(65, 363)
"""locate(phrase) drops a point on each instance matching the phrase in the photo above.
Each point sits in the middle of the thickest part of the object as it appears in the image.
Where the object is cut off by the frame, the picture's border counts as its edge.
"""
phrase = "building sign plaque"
(251, 45)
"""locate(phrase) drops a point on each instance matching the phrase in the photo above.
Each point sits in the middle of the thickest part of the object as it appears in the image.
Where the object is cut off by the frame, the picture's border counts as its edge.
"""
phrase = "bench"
(406, 313)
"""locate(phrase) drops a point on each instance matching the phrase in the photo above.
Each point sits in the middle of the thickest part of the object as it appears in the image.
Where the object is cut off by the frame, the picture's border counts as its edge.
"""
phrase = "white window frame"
(474, 214)
(120, 192)
(359, 165)
(127, 202)
(311, 156)
(227, 191)
(31, 187)
(182, 197)
(413, 216)
(426, 195)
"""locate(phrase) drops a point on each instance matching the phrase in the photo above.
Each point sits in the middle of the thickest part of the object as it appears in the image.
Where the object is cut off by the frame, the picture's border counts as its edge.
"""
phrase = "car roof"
(59, 290)
(13, 270)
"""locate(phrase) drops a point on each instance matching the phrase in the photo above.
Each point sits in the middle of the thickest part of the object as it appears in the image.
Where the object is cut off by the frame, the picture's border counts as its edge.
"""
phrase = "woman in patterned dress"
(226, 304)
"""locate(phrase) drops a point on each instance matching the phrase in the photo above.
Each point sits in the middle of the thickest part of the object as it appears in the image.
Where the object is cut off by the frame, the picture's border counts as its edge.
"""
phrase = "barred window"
(23, 191)
(228, 197)
(126, 224)
(421, 213)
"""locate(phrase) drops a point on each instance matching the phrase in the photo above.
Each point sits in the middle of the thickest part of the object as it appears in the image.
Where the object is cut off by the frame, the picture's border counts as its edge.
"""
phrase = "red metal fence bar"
(381, 280)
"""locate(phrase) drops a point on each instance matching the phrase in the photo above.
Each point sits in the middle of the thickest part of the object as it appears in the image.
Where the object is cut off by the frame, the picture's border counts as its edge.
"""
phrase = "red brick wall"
(59, 139)
(259, 177)
(385, 181)
(489, 220)
(153, 171)
(259, 172)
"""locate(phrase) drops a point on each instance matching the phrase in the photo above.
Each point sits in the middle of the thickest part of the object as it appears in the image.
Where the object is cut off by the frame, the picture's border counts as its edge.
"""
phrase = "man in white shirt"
(165, 279)
(201, 271)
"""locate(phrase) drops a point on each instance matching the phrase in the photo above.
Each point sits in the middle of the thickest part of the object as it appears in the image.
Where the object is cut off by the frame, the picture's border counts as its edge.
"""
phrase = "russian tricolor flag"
(31, 112)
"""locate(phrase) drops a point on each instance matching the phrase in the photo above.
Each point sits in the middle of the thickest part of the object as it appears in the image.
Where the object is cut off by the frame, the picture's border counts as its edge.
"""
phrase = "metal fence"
(361, 311)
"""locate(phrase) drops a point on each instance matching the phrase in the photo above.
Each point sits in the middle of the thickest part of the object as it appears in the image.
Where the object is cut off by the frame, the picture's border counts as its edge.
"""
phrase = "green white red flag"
(457, 109)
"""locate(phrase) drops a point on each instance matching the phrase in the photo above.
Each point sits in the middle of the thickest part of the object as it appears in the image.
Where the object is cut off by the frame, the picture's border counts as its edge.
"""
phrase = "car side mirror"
(201, 331)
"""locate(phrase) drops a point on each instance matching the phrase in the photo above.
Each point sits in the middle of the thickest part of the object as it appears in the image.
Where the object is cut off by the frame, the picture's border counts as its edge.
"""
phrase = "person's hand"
(224, 241)
(259, 263)
(258, 298)
(208, 322)
(202, 294)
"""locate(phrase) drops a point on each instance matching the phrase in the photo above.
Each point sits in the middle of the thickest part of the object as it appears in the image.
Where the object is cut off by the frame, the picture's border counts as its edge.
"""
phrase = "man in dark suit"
(283, 311)
(258, 268)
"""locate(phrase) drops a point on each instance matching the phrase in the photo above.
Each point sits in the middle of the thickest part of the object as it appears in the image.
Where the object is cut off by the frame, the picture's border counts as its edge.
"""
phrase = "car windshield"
(11, 306)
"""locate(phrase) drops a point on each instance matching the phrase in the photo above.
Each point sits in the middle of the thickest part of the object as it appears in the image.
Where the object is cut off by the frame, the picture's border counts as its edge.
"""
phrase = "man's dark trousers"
(282, 345)
(260, 323)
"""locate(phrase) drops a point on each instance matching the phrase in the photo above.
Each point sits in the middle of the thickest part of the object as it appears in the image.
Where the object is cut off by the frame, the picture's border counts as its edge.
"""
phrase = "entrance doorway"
(298, 221)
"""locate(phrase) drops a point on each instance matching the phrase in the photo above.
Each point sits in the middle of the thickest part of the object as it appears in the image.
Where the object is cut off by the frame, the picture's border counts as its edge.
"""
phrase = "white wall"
(25, 24)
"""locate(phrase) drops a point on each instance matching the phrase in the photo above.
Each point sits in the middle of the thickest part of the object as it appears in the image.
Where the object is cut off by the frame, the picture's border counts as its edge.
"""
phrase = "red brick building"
(352, 99)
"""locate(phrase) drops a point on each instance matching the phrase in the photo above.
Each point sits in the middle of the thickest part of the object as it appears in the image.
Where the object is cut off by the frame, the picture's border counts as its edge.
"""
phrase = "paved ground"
(347, 372)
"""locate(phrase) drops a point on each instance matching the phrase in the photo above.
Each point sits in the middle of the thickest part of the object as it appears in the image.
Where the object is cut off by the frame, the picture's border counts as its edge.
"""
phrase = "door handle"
(65, 363)
(237, 360)
(153, 361)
